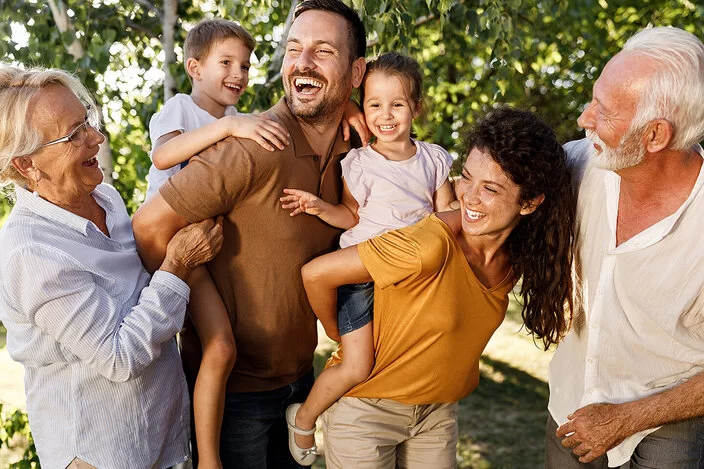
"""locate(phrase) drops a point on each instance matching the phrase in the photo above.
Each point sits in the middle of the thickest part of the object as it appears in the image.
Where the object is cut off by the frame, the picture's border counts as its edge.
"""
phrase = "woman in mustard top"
(441, 290)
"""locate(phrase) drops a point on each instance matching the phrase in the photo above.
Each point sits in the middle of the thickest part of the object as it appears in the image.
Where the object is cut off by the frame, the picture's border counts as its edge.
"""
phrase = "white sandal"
(304, 457)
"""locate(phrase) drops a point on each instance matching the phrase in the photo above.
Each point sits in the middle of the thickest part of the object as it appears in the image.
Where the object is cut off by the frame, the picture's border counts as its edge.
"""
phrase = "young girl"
(392, 183)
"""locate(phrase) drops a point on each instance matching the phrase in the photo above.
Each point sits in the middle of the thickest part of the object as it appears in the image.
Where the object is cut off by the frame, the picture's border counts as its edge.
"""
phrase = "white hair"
(18, 134)
(676, 91)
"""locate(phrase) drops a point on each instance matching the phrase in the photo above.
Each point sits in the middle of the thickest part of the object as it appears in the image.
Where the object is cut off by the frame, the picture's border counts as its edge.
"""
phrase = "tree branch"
(138, 27)
(150, 6)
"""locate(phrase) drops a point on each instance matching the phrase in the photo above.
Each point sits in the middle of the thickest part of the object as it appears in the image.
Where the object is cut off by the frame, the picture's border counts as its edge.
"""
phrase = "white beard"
(629, 152)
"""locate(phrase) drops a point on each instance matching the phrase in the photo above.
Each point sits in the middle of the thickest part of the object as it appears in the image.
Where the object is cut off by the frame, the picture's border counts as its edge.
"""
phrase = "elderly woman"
(441, 290)
(95, 333)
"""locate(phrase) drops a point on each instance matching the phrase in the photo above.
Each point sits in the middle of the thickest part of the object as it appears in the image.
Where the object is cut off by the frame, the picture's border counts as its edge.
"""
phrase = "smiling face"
(318, 75)
(489, 199)
(608, 119)
(62, 171)
(221, 77)
(387, 109)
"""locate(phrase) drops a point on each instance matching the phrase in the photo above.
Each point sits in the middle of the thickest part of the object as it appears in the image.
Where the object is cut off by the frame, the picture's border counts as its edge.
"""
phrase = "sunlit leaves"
(542, 55)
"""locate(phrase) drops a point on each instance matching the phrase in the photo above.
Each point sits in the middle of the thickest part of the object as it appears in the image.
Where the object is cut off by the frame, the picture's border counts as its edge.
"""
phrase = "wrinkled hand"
(194, 245)
(301, 202)
(266, 132)
(354, 117)
(594, 429)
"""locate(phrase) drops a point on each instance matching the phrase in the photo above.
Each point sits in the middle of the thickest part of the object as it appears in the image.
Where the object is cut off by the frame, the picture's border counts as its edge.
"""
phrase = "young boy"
(216, 54)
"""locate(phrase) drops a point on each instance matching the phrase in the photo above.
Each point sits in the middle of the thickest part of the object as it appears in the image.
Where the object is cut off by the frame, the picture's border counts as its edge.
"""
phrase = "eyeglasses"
(77, 136)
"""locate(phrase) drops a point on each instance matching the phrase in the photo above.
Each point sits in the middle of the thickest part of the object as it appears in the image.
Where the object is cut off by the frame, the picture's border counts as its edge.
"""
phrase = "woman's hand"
(193, 245)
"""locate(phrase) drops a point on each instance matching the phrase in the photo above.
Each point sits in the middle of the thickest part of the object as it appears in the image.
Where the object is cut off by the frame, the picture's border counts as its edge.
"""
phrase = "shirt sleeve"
(578, 156)
(213, 181)
(171, 118)
(353, 173)
(443, 163)
(391, 257)
(66, 302)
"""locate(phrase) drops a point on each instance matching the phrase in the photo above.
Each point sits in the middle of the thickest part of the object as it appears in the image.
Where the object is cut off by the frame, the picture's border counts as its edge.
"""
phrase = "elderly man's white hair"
(676, 91)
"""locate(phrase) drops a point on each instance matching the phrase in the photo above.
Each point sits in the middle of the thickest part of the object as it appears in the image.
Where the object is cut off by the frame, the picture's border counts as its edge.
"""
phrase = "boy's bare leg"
(212, 323)
(334, 382)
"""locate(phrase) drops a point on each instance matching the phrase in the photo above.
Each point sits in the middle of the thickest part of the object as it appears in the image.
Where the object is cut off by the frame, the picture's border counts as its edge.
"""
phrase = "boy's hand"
(301, 202)
(354, 117)
(266, 132)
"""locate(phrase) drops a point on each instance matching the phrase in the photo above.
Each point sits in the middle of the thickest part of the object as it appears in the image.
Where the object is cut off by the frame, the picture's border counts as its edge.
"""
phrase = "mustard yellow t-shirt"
(432, 316)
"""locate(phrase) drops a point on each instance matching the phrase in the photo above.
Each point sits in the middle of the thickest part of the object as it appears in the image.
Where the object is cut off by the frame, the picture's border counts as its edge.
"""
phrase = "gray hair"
(676, 91)
(18, 135)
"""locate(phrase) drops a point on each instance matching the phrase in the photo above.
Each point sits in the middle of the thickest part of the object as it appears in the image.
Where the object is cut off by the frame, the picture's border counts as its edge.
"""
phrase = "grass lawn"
(501, 423)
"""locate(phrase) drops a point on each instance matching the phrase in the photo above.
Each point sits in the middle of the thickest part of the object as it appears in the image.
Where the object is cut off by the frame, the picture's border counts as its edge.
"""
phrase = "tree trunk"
(277, 58)
(168, 26)
(64, 24)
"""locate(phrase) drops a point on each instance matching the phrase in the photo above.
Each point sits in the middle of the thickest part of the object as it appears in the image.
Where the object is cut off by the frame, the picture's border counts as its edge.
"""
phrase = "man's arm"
(154, 224)
(596, 428)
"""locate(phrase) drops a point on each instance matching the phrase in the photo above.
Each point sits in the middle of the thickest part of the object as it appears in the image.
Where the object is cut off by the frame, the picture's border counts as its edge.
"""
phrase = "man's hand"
(595, 429)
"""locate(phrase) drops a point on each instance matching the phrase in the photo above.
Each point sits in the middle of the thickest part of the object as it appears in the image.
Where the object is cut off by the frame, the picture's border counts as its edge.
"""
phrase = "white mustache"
(594, 138)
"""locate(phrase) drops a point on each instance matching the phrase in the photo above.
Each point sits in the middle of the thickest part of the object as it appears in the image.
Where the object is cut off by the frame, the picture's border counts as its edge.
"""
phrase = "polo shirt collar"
(298, 138)
(45, 209)
(658, 231)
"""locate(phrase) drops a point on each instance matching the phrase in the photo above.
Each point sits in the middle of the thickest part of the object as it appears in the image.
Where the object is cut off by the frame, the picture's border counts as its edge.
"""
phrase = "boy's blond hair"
(205, 34)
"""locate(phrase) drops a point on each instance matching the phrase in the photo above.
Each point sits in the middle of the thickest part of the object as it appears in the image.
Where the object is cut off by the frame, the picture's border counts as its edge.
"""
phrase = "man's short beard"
(331, 106)
(630, 151)
(315, 114)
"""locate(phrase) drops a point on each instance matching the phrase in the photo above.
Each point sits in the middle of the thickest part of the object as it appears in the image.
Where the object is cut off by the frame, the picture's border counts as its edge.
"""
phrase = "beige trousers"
(365, 433)
(79, 464)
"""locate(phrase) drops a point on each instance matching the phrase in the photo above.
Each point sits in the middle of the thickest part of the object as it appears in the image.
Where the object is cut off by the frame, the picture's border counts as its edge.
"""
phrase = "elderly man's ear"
(658, 135)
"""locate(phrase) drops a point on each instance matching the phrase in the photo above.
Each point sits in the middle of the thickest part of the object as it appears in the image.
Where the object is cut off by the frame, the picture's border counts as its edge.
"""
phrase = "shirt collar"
(298, 138)
(45, 209)
(658, 231)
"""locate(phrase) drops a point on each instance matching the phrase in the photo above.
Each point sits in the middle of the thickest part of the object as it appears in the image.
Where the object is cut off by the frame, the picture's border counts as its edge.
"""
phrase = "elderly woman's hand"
(193, 245)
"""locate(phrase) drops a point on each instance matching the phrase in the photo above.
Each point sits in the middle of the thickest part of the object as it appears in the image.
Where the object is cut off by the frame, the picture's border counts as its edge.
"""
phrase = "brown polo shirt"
(257, 272)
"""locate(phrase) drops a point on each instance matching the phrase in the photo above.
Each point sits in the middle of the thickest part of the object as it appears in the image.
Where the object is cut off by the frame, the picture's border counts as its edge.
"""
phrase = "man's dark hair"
(357, 33)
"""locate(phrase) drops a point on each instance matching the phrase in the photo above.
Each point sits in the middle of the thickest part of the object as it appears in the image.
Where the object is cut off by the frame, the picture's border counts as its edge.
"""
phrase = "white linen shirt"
(392, 194)
(103, 376)
(179, 114)
(639, 318)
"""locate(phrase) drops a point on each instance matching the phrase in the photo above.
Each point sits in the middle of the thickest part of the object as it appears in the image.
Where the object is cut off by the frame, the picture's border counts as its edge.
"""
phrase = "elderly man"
(627, 380)
(258, 270)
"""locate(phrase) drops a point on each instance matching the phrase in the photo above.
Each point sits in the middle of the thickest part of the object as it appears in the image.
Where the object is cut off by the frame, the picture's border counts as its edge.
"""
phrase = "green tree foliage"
(12, 425)
(537, 55)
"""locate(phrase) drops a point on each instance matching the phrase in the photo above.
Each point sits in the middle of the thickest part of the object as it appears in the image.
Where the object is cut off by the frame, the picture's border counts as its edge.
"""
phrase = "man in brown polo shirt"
(257, 272)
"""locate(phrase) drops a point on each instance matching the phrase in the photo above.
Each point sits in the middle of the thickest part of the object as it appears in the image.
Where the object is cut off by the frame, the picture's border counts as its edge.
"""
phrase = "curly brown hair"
(540, 246)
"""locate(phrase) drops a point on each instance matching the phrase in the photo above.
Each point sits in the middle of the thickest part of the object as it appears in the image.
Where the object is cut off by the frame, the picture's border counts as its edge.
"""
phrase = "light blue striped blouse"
(102, 373)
